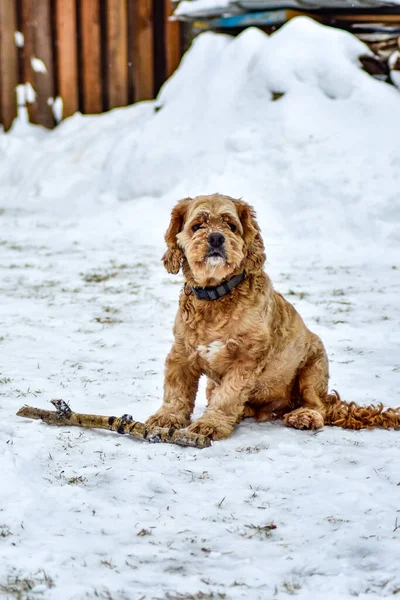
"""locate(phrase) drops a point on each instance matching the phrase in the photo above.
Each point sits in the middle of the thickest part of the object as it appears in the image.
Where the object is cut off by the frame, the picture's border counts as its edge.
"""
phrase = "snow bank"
(290, 122)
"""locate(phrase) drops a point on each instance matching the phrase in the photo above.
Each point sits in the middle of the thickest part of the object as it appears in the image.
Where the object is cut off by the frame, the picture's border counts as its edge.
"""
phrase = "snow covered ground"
(87, 313)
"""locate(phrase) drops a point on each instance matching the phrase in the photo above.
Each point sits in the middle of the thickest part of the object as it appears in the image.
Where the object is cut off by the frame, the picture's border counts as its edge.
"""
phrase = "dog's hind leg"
(313, 388)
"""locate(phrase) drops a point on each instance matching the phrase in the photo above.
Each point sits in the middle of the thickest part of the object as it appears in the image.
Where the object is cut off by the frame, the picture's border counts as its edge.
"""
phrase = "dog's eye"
(196, 227)
(232, 227)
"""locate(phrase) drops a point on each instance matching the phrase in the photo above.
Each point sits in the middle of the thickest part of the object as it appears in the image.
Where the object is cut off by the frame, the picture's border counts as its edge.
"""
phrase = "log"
(63, 415)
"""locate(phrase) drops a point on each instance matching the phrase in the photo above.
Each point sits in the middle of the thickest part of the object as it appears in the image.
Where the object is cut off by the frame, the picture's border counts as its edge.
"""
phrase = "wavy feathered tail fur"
(350, 415)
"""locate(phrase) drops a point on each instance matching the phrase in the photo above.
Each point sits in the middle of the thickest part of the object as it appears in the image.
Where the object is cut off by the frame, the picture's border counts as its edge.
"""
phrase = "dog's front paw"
(212, 429)
(166, 419)
(304, 418)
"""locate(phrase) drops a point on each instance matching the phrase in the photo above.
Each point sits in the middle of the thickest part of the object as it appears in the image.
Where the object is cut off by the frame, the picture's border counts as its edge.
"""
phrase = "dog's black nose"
(216, 240)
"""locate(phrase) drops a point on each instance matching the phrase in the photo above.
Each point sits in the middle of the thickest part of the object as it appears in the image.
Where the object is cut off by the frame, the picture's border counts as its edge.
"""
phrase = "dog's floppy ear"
(254, 245)
(172, 259)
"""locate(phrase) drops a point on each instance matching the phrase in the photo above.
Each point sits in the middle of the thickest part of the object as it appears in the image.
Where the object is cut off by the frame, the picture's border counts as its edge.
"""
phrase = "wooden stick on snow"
(63, 415)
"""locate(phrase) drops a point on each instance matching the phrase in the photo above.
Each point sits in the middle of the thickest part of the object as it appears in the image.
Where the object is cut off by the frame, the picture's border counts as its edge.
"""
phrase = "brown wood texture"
(143, 66)
(28, 29)
(172, 40)
(91, 56)
(8, 62)
(365, 18)
(117, 52)
(67, 61)
(44, 82)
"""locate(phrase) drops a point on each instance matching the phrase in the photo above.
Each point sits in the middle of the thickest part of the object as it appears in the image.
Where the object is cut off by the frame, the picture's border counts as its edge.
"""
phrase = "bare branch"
(63, 415)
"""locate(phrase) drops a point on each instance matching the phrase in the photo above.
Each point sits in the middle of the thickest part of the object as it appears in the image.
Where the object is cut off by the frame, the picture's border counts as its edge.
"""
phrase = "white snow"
(220, 103)
(188, 8)
(22, 111)
(19, 39)
(38, 65)
(58, 108)
(87, 315)
(30, 93)
(394, 72)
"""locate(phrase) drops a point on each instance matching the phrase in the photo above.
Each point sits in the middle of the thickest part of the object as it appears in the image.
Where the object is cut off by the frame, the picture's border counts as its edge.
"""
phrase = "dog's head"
(213, 238)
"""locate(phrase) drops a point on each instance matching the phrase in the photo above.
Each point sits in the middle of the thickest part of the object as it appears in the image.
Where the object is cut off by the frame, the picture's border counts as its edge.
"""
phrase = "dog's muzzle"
(216, 247)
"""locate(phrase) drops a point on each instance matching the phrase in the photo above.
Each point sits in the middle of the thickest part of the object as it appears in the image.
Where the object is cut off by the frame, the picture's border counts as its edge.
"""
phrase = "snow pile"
(198, 8)
(290, 122)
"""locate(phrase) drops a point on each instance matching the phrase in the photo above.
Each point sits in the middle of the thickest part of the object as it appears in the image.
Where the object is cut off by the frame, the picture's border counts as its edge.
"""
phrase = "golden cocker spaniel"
(259, 357)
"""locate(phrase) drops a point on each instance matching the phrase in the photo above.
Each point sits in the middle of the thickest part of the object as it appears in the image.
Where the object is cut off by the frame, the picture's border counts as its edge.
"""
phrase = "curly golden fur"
(260, 359)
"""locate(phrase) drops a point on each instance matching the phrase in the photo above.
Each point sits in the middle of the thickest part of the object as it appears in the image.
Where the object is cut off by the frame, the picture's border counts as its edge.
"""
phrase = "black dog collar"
(218, 291)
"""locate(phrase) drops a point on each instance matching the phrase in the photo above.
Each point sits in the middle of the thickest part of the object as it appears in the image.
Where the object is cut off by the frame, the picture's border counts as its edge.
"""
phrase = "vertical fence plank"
(44, 81)
(143, 49)
(36, 27)
(159, 67)
(67, 61)
(131, 57)
(8, 63)
(117, 47)
(172, 41)
(28, 26)
(91, 56)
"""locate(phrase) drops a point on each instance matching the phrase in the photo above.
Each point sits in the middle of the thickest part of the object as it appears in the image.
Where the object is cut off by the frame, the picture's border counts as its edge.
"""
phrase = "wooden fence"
(95, 54)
